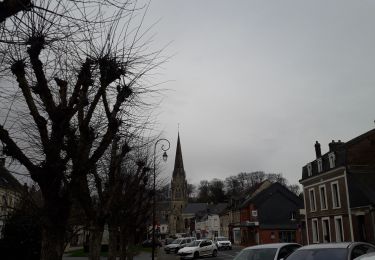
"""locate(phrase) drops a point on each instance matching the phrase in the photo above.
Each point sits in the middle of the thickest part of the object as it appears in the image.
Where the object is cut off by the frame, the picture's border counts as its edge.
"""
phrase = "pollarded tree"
(9, 8)
(70, 70)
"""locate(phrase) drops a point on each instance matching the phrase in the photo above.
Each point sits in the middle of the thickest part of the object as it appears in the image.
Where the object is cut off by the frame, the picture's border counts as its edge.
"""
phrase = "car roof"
(331, 245)
(272, 245)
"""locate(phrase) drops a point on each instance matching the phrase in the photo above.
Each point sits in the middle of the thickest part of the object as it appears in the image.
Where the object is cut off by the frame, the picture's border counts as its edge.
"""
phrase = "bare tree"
(12, 7)
(74, 70)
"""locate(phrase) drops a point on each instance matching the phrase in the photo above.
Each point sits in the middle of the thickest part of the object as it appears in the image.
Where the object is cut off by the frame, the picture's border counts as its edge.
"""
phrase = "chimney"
(333, 146)
(318, 151)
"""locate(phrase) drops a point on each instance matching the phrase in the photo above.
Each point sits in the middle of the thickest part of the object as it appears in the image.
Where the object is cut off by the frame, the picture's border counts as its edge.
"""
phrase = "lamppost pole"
(165, 156)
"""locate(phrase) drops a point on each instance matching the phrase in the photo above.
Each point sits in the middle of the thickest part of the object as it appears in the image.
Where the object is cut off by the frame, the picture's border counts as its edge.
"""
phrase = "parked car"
(274, 251)
(148, 243)
(198, 248)
(369, 256)
(223, 243)
(169, 240)
(178, 244)
(332, 251)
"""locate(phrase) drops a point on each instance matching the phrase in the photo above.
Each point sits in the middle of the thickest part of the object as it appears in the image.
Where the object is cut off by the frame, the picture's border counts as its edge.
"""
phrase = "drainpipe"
(349, 209)
(306, 223)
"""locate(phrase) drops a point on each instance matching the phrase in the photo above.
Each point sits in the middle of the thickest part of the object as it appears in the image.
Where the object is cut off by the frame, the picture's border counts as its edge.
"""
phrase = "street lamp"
(165, 157)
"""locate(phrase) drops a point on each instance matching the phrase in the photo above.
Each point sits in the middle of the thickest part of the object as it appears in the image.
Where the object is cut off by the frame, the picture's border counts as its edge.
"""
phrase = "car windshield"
(222, 239)
(177, 241)
(319, 254)
(257, 254)
(193, 243)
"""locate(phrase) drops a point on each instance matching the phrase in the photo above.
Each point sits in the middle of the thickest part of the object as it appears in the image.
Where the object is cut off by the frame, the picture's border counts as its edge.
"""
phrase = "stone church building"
(176, 215)
(179, 195)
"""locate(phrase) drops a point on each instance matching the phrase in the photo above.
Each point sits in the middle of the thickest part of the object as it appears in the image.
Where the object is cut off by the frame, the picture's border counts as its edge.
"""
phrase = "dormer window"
(320, 164)
(293, 216)
(309, 169)
(332, 159)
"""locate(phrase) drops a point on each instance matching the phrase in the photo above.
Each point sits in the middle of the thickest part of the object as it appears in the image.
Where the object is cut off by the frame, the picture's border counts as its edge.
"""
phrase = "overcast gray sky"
(254, 84)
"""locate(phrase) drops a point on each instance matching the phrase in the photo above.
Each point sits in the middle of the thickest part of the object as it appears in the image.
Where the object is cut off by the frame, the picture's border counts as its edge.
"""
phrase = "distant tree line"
(217, 190)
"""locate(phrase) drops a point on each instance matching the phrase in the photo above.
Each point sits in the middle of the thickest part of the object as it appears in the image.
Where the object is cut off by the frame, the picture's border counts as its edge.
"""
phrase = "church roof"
(193, 208)
(178, 163)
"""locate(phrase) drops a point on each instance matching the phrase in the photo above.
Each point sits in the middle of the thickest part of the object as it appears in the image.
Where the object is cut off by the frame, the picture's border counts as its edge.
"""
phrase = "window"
(254, 213)
(286, 251)
(323, 197)
(339, 229)
(320, 164)
(309, 169)
(326, 230)
(315, 230)
(312, 200)
(287, 236)
(331, 158)
(335, 195)
(361, 250)
(293, 215)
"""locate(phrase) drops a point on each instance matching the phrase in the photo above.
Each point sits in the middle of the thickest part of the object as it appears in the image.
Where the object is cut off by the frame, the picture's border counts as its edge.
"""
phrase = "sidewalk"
(141, 256)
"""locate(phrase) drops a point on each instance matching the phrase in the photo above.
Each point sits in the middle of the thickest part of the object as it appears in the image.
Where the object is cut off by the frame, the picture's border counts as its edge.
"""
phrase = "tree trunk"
(95, 241)
(53, 243)
(123, 244)
(113, 242)
(130, 252)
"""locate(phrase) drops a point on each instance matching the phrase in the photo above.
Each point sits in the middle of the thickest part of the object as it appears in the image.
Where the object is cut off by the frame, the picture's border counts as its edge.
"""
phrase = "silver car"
(332, 251)
(274, 251)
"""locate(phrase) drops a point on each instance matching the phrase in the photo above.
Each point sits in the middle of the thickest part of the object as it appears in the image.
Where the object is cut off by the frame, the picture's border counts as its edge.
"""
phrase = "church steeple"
(178, 163)
(179, 198)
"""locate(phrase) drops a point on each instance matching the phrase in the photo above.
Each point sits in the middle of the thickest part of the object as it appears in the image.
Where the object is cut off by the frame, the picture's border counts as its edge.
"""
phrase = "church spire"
(178, 163)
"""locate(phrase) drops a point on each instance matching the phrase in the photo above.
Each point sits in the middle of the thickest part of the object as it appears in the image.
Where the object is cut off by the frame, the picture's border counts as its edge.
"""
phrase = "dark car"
(332, 251)
(148, 243)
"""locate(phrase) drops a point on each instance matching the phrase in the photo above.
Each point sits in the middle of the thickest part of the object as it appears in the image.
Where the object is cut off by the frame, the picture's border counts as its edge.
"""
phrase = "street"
(222, 255)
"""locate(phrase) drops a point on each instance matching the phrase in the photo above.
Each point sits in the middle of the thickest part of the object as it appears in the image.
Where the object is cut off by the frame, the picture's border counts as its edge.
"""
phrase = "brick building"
(270, 215)
(339, 191)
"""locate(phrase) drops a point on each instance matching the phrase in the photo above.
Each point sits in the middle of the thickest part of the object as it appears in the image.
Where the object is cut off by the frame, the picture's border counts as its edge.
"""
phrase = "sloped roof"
(7, 181)
(268, 191)
(193, 208)
(217, 208)
(253, 191)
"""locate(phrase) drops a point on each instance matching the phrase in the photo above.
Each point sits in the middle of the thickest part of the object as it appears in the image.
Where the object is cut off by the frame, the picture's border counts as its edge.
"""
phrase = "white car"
(177, 244)
(223, 243)
(276, 251)
(198, 248)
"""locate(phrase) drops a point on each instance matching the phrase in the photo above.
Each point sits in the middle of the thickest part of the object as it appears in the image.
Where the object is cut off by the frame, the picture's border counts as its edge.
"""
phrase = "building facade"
(270, 215)
(339, 192)
(10, 193)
